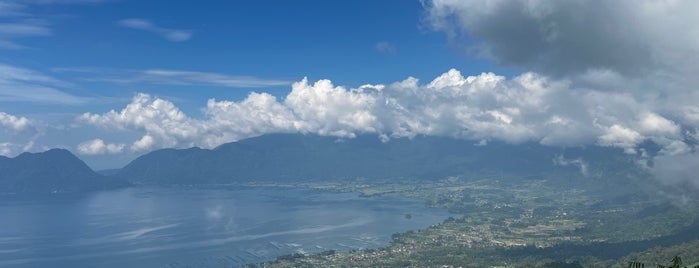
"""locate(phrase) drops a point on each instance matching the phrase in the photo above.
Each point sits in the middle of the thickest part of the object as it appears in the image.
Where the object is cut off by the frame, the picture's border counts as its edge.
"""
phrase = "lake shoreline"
(204, 226)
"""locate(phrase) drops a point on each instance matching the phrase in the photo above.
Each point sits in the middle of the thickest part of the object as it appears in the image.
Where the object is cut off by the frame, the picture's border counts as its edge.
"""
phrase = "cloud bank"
(528, 107)
(569, 36)
(632, 64)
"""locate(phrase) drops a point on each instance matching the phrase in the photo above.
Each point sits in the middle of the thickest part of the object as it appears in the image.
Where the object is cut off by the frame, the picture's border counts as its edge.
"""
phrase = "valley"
(520, 224)
(509, 205)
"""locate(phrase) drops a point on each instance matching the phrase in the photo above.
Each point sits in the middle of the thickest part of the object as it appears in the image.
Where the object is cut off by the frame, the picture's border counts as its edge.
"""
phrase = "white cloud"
(145, 143)
(174, 35)
(14, 123)
(328, 110)
(676, 147)
(17, 134)
(579, 162)
(259, 113)
(528, 107)
(98, 146)
(172, 77)
(159, 118)
(453, 78)
(6, 149)
(619, 136)
(177, 77)
(386, 48)
(19, 84)
(655, 124)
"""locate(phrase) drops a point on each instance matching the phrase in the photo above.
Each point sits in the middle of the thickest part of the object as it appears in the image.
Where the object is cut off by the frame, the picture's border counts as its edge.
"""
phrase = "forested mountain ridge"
(53, 171)
(285, 157)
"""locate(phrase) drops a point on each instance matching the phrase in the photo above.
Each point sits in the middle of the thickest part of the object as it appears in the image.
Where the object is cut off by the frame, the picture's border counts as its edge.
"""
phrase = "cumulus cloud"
(326, 109)
(146, 142)
(14, 123)
(655, 124)
(156, 116)
(98, 146)
(620, 136)
(174, 35)
(528, 107)
(17, 134)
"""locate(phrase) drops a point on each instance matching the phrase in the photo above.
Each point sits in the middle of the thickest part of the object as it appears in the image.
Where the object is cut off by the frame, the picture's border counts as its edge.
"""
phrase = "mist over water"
(178, 227)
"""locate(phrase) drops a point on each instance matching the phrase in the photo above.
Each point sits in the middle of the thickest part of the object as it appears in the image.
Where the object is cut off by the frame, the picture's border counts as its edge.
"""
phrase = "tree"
(676, 263)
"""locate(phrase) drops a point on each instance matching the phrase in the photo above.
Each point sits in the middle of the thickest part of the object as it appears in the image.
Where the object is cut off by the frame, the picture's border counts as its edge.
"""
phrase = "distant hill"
(108, 172)
(287, 157)
(53, 171)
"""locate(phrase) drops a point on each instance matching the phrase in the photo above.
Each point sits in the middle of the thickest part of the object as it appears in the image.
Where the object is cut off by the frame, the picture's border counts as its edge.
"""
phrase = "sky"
(113, 79)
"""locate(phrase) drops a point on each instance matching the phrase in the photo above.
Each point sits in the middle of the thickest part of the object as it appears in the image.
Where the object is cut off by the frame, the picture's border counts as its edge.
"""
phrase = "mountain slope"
(285, 157)
(56, 170)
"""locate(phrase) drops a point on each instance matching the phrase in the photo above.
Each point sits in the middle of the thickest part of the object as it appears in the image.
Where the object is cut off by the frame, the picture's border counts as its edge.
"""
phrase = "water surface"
(187, 227)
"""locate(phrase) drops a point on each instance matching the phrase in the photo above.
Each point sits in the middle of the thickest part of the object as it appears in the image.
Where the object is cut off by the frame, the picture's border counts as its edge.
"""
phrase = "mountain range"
(53, 171)
(297, 157)
(294, 157)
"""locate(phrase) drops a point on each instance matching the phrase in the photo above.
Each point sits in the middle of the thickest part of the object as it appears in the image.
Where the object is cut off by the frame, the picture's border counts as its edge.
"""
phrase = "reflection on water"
(176, 227)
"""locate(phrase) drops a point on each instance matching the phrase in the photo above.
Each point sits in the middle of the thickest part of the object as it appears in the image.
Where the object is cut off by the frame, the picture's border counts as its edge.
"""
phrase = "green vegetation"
(675, 263)
(524, 223)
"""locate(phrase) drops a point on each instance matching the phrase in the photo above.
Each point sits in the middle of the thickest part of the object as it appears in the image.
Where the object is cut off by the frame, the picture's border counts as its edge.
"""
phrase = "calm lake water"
(184, 227)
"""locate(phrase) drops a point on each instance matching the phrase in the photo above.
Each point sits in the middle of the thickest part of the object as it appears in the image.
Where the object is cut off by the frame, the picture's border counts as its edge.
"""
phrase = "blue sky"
(113, 79)
(349, 42)
(95, 53)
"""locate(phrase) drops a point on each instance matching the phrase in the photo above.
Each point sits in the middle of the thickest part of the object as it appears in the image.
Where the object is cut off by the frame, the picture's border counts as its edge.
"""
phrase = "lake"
(191, 227)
